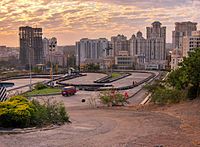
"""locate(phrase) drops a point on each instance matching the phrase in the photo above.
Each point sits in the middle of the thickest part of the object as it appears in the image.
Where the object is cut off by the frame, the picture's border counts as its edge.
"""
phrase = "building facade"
(138, 49)
(124, 62)
(45, 43)
(47, 50)
(91, 50)
(31, 45)
(156, 46)
(119, 43)
(191, 42)
(176, 58)
(182, 29)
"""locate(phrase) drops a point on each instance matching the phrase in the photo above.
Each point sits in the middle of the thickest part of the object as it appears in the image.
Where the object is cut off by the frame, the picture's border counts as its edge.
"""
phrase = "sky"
(71, 20)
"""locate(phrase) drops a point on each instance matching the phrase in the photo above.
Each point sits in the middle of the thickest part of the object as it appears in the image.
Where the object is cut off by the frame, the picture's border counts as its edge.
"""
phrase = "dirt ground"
(149, 126)
(189, 115)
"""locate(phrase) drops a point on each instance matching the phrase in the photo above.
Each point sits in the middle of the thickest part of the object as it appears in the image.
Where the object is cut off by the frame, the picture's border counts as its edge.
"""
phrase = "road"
(74, 100)
(129, 80)
(89, 79)
(22, 82)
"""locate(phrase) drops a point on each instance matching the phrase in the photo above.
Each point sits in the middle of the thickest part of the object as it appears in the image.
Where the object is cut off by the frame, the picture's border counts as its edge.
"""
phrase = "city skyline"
(71, 20)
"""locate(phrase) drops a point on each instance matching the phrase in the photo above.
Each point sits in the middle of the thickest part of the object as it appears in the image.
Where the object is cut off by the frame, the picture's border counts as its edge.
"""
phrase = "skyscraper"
(31, 45)
(91, 50)
(119, 43)
(182, 29)
(190, 43)
(156, 45)
(45, 42)
(46, 48)
(138, 48)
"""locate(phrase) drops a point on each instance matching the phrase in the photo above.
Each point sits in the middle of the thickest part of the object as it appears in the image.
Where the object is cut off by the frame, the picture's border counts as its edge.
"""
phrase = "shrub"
(113, 98)
(167, 96)
(19, 112)
(192, 92)
(40, 86)
(16, 112)
(49, 113)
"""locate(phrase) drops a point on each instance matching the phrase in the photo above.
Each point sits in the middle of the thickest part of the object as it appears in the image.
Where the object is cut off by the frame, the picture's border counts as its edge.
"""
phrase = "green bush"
(40, 86)
(113, 98)
(20, 112)
(16, 112)
(192, 92)
(49, 113)
(167, 96)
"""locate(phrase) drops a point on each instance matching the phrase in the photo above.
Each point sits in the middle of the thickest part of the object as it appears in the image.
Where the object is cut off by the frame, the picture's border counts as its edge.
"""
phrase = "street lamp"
(29, 54)
(108, 50)
(52, 46)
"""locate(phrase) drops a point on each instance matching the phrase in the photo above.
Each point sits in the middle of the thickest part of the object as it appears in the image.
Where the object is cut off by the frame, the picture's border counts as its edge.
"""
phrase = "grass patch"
(115, 75)
(48, 90)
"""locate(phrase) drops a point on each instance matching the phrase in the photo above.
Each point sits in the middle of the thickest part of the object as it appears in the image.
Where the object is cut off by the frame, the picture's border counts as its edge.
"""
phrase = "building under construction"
(31, 47)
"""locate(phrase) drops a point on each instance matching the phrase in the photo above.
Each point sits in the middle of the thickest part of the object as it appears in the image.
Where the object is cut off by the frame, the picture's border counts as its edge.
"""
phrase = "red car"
(69, 90)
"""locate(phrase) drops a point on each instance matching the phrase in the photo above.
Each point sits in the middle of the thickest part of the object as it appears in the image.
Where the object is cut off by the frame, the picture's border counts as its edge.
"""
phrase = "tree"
(178, 79)
(92, 67)
(191, 67)
(188, 75)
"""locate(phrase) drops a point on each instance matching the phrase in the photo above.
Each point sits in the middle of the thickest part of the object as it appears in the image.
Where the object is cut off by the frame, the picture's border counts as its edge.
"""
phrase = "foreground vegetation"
(19, 112)
(113, 98)
(181, 84)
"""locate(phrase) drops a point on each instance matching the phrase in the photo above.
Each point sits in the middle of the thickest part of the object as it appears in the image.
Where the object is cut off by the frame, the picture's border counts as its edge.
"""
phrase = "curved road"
(89, 79)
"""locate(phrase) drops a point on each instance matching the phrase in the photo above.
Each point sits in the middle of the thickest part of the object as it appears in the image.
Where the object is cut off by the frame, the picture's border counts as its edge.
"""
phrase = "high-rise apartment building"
(138, 48)
(156, 46)
(156, 31)
(31, 45)
(91, 50)
(119, 43)
(182, 29)
(45, 43)
(46, 48)
(191, 42)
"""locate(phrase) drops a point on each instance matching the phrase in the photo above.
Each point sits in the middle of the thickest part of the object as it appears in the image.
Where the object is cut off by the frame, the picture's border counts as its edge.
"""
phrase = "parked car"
(69, 90)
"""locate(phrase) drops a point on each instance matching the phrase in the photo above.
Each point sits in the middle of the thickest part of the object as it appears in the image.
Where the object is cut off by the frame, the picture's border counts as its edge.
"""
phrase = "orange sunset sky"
(70, 20)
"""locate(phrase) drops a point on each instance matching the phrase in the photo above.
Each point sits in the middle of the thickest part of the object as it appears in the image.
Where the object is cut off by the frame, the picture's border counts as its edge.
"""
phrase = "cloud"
(90, 18)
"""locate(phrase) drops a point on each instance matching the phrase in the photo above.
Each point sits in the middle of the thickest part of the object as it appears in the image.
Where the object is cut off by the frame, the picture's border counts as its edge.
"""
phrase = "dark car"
(69, 90)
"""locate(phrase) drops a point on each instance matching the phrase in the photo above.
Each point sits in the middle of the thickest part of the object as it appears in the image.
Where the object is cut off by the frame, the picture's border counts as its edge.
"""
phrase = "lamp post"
(30, 73)
(107, 50)
(52, 46)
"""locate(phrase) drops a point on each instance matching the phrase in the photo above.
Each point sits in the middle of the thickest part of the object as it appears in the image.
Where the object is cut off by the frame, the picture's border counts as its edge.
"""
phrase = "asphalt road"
(89, 79)
(22, 82)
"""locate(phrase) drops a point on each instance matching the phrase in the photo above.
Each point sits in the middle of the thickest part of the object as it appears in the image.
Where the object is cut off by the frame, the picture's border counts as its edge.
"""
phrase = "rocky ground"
(173, 126)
